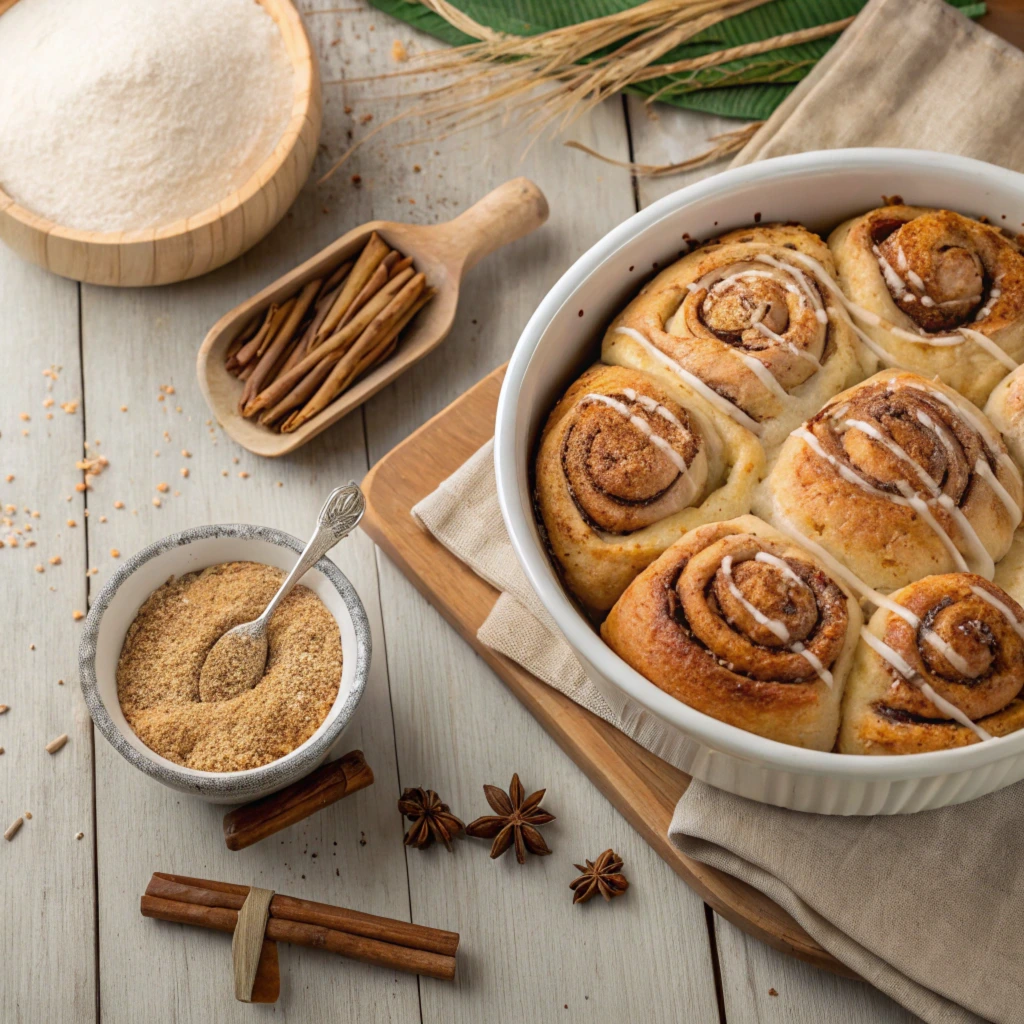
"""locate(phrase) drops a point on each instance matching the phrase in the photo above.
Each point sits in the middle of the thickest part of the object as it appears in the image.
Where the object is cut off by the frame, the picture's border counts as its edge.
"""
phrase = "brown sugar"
(167, 644)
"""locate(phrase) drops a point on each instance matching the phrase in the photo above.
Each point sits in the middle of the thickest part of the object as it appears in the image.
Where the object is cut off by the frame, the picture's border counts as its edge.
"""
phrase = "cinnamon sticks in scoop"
(301, 353)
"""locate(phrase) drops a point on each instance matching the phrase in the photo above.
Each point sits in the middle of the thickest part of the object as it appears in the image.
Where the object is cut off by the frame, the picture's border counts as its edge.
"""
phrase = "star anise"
(430, 819)
(600, 876)
(517, 816)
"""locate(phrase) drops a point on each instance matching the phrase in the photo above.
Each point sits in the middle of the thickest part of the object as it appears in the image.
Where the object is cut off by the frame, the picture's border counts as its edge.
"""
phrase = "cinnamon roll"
(752, 321)
(740, 623)
(626, 464)
(940, 665)
(899, 478)
(935, 292)
(1005, 408)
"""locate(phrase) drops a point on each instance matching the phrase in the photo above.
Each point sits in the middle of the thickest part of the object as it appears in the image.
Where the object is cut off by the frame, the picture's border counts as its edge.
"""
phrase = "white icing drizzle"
(984, 470)
(779, 563)
(722, 404)
(645, 428)
(814, 661)
(985, 310)
(985, 342)
(898, 662)
(776, 627)
(779, 629)
(779, 340)
(942, 341)
(764, 375)
(653, 406)
(982, 427)
(1001, 606)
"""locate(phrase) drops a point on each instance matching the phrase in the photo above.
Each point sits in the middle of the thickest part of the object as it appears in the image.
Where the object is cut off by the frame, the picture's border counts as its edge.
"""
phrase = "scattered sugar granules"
(12, 829)
(77, 615)
(55, 744)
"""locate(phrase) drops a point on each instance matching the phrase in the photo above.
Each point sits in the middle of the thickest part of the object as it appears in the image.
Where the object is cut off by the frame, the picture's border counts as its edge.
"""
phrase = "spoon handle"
(339, 516)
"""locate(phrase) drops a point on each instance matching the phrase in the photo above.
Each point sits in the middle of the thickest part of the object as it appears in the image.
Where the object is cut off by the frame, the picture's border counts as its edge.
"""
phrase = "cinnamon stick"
(315, 936)
(369, 259)
(334, 346)
(284, 334)
(185, 889)
(377, 281)
(337, 277)
(375, 330)
(329, 783)
(248, 350)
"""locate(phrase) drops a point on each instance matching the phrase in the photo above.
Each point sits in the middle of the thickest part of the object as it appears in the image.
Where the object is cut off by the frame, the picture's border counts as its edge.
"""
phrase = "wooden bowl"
(207, 240)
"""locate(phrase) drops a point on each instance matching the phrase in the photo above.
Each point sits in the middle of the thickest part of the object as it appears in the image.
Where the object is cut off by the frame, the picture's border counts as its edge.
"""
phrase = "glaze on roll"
(751, 322)
(628, 463)
(942, 666)
(899, 478)
(936, 292)
(744, 625)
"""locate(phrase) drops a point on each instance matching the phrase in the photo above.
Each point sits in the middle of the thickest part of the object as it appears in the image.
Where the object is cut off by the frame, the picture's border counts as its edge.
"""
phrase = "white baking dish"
(563, 336)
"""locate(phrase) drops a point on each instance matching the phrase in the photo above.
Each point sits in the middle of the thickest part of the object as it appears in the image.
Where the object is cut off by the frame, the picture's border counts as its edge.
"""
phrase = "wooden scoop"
(443, 252)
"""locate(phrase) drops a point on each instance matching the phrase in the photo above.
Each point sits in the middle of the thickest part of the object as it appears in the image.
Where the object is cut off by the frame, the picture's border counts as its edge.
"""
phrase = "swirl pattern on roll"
(740, 623)
(941, 668)
(747, 318)
(899, 478)
(625, 465)
(946, 293)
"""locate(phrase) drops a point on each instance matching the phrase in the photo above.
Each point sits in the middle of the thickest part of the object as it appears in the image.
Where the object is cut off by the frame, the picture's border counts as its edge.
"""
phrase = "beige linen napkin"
(926, 907)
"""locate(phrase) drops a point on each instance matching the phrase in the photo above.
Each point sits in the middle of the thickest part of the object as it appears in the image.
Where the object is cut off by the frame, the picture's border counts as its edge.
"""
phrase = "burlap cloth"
(928, 907)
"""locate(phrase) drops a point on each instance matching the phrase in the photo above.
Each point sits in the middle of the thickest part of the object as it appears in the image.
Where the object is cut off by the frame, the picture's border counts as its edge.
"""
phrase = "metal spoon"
(236, 661)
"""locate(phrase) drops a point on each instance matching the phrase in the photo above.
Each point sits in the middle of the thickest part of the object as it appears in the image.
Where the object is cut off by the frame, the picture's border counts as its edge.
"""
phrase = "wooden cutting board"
(644, 788)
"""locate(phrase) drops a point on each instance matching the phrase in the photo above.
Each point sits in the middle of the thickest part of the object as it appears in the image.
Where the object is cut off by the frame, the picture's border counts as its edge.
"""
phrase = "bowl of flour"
(149, 142)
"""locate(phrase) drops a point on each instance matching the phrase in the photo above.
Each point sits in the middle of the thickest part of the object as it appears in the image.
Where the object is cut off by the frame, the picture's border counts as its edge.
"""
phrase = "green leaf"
(750, 88)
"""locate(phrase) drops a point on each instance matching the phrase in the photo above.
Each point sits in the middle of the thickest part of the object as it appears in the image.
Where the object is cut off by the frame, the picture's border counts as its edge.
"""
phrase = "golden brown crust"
(742, 315)
(931, 272)
(846, 480)
(963, 641)
(682, 626)
(626, 464)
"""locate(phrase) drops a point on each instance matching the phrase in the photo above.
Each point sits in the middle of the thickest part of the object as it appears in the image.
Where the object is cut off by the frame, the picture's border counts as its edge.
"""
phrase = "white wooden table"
(73, 946)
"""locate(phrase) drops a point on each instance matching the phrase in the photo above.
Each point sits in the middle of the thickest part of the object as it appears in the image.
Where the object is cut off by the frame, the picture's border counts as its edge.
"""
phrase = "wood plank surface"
(527, 954)
(46, 874)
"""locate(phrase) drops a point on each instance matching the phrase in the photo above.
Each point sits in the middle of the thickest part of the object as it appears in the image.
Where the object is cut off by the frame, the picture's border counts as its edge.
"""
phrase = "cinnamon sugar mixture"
(163, 654)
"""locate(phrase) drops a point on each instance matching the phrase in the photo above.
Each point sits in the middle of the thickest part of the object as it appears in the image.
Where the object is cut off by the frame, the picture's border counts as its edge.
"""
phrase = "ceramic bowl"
(115, 610)
(209, 238)
(563, 337)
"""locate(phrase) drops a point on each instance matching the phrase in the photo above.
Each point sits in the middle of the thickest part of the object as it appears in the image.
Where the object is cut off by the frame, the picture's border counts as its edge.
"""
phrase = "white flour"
(125, 114)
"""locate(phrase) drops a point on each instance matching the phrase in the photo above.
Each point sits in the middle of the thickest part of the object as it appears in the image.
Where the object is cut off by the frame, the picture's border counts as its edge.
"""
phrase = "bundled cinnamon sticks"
(397, 945)
(298, 355)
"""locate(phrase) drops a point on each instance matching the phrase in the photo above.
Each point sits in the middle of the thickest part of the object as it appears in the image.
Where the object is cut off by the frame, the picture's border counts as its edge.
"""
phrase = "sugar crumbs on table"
(772, 992)
(4, 708)
(27, 815)
(77, 615)
(114, 553)
(243, 475)
(118, 504)
(162, 488)
(72, 523)
(156, 502)
(185, 453)
(55, 560)
(166, 647)
(79, 835)
(12, 829)
(57, 743)
(184, 471)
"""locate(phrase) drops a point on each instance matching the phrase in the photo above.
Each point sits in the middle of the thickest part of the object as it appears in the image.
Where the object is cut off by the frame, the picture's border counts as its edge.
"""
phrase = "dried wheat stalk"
(548, 81)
